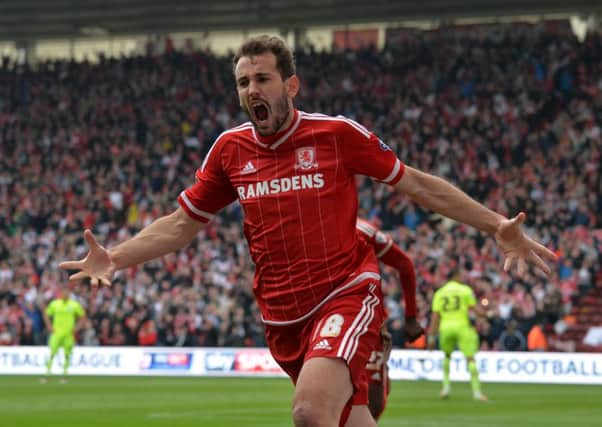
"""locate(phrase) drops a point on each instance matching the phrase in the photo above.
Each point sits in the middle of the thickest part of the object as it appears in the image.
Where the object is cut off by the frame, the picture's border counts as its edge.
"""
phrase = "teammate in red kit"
(393, 256)
(317, 288)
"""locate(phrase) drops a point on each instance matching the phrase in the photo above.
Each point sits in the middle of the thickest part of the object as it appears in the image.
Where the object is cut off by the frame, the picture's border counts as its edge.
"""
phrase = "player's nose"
(253, 89)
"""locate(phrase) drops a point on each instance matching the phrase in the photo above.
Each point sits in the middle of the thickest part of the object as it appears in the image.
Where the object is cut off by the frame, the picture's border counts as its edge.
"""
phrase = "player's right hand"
(412, 329)
(97, 265)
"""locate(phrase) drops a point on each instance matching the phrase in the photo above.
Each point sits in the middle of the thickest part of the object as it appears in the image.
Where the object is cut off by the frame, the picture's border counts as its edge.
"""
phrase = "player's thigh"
(55, 342)
(448, 339)
(348, 329)
(68, 343)
(468, 342)
(324, 384)
(343, 334)
(360, 417)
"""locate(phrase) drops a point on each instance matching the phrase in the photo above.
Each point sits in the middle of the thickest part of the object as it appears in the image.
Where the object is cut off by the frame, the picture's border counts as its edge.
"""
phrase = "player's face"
(264, 95)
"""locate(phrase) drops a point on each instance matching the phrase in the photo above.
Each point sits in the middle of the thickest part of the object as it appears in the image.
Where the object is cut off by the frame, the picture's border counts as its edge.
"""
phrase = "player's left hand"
(412, 329)
(521, 249)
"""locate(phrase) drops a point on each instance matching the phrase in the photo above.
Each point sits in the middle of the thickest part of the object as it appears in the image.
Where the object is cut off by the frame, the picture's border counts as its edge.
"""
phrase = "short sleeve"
(211, 191)
(365, 154)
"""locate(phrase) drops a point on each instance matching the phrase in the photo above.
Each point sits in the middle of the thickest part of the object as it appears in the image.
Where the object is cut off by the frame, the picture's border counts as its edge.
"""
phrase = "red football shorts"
(347, 327)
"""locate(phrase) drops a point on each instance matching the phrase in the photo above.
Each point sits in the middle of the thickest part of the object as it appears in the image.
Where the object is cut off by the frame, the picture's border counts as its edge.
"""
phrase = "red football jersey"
(298, 193)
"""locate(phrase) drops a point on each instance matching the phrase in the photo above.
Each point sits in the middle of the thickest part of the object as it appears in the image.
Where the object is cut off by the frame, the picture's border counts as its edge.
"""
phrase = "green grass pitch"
(221, 402)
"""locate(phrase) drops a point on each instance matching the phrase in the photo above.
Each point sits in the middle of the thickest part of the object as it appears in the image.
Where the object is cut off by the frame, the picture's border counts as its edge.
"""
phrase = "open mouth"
(260, 111)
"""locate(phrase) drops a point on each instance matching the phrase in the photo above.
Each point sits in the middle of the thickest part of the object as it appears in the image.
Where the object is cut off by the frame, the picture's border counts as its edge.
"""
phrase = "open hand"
(97, 265)
(519, 248)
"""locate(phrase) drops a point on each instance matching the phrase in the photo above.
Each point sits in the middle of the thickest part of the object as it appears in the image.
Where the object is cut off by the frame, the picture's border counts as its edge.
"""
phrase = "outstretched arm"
(166, 234)
(442, 197)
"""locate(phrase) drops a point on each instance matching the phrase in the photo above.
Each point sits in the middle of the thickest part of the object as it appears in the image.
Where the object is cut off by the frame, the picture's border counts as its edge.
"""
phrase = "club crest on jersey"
(306, 158)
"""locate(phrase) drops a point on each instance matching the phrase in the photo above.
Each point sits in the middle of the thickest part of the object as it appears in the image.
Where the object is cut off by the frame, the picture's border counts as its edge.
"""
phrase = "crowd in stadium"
(511, 114)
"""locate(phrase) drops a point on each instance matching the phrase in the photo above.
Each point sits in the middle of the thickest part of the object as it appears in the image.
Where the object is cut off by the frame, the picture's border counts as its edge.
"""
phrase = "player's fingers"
(539, 263)
(522, 267)
(541, 250)
(79, 275)
(94, 282)
(519, 219)
(91, 240)
(105, 282)
(508, 263)
(71, 265)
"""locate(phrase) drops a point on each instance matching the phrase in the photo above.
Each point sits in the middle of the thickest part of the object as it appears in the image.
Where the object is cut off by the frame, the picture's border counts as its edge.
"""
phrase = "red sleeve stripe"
(365, 228)
(385, 249)
(392, 178)
(190, 208)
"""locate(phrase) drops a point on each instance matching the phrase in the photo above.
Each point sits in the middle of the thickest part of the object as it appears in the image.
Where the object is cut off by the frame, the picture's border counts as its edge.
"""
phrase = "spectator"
(512, 339)
(536, 340)
(147, 334)
(117, 335)
(88, 334)
(70, 158)
(552, 303)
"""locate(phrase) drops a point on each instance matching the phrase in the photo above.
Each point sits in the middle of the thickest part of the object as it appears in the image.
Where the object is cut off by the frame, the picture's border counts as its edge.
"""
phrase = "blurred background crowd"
(511, 114)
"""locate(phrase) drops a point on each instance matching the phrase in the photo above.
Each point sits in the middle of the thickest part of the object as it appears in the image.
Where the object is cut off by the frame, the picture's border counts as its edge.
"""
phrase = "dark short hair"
(285, 63)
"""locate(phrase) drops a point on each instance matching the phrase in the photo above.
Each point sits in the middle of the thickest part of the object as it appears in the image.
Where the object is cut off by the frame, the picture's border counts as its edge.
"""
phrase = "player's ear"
(292, 86)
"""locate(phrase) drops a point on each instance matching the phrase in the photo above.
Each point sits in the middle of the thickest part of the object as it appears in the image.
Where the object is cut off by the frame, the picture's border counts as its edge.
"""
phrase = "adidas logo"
(249, 168)
(322, 345)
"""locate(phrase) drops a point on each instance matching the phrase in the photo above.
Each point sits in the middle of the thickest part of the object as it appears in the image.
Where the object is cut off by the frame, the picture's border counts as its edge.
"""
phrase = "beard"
(280, 113)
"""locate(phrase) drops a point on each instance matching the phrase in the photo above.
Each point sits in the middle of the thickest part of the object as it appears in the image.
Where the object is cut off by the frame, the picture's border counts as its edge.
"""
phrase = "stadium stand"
(510, 113)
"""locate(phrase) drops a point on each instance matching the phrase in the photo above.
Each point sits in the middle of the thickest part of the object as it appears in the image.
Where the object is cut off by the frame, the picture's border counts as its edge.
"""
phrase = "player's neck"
(286, 126)
(290, 118)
